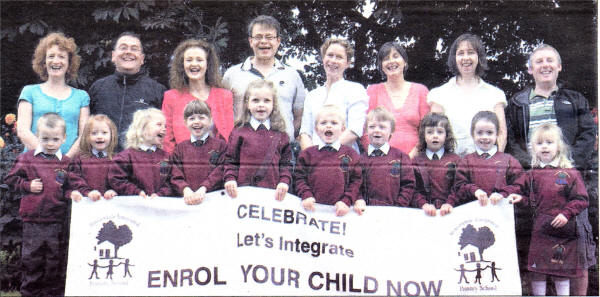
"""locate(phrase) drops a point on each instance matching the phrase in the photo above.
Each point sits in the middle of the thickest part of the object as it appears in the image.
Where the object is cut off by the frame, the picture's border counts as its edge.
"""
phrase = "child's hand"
(154, 195)
(200, 194)
(187, 195)
(231, 188)
(514, 198)
(360, 206)
(429, 209)
(94, 195)
(445, 209)
(143, 194)
(495, 198)
(76, 196)
(309, 203)
(280, 191)
(559, 221)
(36, 186)
(110, 194)
(341, 208)
(482, 197)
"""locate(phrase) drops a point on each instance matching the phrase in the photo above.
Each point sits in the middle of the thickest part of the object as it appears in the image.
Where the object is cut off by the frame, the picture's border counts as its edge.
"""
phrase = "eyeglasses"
(133, 48)
(260, 37)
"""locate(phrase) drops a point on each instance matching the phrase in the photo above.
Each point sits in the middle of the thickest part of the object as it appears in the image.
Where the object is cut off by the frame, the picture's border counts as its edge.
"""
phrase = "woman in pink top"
(194, 74)
(406, 100)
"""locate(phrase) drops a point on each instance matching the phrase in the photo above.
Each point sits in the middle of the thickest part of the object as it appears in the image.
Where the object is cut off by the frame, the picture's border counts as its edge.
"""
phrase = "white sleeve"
(357, 105)
(307, 126)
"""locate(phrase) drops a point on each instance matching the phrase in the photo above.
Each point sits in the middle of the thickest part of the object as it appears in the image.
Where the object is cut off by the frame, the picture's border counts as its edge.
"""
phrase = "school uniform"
(329, 173)
(43, 217)
(388, 177)
(146, 169)
(435, 175)
(551, 191)
(258, 156)
(88, 173)
(197, 163)
(490, 171)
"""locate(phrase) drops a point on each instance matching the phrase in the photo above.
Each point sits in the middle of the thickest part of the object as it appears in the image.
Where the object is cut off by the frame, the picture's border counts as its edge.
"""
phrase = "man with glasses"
(129, 89)
(264, 39)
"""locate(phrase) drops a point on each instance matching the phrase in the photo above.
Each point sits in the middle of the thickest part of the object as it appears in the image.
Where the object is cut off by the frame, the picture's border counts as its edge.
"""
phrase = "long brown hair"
(85, 146)
(277, 122)
(177, 78)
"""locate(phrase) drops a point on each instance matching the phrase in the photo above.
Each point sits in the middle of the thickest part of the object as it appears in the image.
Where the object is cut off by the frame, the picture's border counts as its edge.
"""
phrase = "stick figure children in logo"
(40, 176)
(197, 162)
(435, 165)
(259, 152)
(328, 173)
(556, 193)
(88, 171)
(388, 175)
(486, 173)
(143, 168)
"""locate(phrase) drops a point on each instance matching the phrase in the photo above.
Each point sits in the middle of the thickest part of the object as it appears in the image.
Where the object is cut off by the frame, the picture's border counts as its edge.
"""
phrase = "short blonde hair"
(554, 133)
(66, 44)
(341, 41)
(141, 118)
(52, 120)
(382, 114)
(331, 109)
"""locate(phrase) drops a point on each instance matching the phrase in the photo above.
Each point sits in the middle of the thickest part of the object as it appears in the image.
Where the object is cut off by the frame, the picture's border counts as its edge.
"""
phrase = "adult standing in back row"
(466, 93)
(127, 90)
(264, 39)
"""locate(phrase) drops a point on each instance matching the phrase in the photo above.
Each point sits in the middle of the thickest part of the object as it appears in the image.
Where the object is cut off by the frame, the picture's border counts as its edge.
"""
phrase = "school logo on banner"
(108, 260)
(477, 268)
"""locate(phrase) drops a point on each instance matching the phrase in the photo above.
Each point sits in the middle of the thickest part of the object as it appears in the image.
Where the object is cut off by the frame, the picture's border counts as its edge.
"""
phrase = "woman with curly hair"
(55, 61)
(194, 74)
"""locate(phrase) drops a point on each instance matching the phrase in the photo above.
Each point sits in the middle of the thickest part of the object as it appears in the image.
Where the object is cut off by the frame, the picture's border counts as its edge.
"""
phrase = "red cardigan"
(220, 102)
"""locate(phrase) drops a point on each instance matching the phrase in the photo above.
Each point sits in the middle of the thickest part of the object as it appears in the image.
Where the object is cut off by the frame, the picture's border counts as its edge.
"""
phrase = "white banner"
(255, 245)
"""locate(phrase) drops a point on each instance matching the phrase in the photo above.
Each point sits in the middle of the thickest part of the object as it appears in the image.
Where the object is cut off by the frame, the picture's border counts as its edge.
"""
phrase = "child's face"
(100, 136)
(155, 131)
(485, 135)
(198, 124)
(545, 149)
(379, 132)
(329, 127)
(50, 138)
(435, 137)
(260, 103)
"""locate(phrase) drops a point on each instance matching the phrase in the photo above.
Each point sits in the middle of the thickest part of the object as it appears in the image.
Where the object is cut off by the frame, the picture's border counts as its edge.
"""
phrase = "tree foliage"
(481, 238)
(509, 30)
(118, 236)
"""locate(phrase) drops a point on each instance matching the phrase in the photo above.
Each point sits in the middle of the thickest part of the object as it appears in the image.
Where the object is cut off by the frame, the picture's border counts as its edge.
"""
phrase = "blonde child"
(143, 168)
(556, 193)
(435, 165)
(197, 162)
(88, 171)
(258, 151)
(388, 175)
(41, 175)
(485, 174)
(329, 173)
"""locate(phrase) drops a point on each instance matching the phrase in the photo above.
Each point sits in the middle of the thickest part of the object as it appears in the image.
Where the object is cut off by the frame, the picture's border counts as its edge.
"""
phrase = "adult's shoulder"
(375, 88)
(521, 97)
(351, 84)
(222, 92)
(104, 80)
(29, 91)
(440, 93)
(571, 95)
(232, 69)
(419, 87)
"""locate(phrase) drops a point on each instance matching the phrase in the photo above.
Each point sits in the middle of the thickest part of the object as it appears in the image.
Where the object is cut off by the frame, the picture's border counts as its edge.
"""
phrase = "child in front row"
(143, 168)
(485, 174)
(388, 175)
(259, 153)
(556, 193)
(329, 173)
(196, 163)
(40, 176)
(435, 165)
(88, 171)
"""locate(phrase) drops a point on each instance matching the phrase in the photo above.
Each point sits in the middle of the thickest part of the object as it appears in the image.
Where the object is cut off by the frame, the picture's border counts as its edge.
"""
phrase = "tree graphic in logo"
(481, 238)
(118, 236)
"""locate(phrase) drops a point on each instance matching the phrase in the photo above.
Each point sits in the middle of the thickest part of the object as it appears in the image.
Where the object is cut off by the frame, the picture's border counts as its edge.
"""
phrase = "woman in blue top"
(55, 61)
